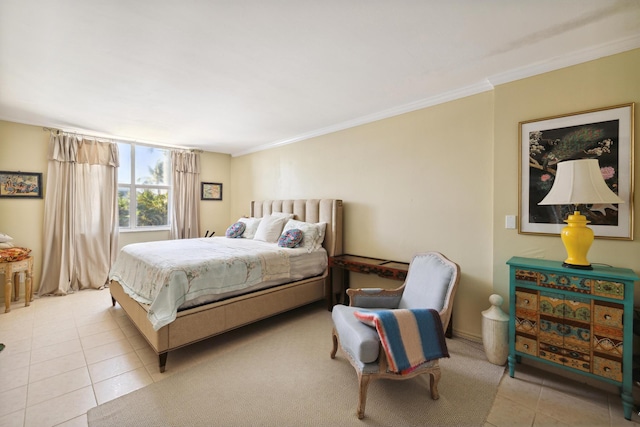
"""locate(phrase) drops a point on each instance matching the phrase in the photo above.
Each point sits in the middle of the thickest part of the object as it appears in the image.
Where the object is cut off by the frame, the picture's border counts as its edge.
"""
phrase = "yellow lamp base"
(577, 239)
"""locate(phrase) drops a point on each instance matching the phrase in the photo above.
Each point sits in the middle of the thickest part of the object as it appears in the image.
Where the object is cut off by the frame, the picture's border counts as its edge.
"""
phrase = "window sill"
(144, 230)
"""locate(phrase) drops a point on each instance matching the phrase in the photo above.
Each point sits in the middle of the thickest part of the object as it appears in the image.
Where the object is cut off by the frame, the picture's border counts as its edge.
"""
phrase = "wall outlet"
(510, 222)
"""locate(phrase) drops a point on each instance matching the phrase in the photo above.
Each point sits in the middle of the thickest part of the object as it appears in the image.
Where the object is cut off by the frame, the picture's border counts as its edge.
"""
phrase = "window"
(143, 186)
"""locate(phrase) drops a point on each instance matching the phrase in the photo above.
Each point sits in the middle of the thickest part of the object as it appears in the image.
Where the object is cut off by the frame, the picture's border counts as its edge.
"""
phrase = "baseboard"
(469, 337)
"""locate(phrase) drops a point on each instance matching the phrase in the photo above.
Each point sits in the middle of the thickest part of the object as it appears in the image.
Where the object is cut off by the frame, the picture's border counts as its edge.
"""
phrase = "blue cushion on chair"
(427, 268)
(359, 340)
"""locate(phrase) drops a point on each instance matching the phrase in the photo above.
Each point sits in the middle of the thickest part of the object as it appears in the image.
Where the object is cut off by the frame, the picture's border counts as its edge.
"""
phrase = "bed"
(204, 316)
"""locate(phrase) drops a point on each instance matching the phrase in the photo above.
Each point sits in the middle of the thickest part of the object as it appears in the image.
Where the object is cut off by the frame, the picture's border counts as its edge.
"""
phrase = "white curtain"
(80, 215)
(185, 216)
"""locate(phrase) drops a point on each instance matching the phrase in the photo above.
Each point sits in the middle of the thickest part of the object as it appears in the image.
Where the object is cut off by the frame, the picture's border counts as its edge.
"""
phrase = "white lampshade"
(579, 182)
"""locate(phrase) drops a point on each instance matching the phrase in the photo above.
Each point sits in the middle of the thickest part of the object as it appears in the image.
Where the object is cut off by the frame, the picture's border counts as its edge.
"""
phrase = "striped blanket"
(409, 337)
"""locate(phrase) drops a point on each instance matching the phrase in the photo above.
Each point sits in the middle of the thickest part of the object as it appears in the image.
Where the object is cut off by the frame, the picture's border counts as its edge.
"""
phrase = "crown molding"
(463, 92)
(574, 58)
(541, 67)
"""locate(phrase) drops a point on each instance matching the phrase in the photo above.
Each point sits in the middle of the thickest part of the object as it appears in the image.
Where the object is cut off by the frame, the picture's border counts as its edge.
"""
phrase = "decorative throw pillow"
(270, 228)
(367, 317)
(313, 233)
(290, 238)
(251, 227)
(14, 254)
(4, 238)
(236, 230)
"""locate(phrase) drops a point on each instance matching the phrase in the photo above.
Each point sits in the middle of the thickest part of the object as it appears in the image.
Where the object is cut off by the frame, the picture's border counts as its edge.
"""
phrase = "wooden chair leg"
(363, 381)
(334, 335)
(16, 286)
(434, 379)
(28, 288)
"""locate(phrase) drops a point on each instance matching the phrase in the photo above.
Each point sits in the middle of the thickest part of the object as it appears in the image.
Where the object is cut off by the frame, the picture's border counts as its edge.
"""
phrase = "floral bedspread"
(165, 274)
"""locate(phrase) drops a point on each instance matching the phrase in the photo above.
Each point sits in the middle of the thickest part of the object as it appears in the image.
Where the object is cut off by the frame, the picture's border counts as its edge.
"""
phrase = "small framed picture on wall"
(21, 185)
(211, 191)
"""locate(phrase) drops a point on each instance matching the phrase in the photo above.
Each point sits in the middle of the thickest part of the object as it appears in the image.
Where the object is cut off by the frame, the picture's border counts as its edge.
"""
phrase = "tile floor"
(65, 355)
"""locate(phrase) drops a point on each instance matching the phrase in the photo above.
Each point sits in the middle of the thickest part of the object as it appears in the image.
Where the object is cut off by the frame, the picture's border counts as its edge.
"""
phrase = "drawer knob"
(526, 346)
(607, 369)
(607, 317)
(526, 301)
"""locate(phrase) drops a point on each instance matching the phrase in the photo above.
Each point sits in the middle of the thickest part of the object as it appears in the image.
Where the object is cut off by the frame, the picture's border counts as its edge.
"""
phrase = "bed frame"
(206, 321)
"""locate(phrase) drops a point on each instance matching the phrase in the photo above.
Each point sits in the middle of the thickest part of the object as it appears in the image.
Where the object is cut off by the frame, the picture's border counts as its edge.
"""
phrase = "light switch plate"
(510, 222)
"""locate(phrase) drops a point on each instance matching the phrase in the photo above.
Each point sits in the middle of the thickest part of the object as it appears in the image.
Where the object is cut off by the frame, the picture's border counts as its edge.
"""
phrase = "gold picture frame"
(606, 134)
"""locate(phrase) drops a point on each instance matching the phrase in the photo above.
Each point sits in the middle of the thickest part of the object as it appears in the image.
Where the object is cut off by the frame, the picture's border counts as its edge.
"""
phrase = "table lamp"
(578, 182)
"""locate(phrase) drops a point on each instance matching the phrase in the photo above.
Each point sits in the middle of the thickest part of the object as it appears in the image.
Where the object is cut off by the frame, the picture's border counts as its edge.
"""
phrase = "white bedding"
(174, 273)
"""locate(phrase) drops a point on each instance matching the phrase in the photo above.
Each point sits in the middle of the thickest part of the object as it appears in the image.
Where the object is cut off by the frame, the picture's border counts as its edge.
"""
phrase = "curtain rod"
(75, 133)
(193, 150)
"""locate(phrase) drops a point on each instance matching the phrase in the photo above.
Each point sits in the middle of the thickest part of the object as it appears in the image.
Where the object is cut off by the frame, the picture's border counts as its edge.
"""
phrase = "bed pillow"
(251, 225)
(270, 228)
(286, 216)
(235, 230)
(5, 241)
(313, 233)
(290, 238)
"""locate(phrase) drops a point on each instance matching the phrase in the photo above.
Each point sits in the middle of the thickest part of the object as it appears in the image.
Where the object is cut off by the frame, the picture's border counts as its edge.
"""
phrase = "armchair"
(431, 283)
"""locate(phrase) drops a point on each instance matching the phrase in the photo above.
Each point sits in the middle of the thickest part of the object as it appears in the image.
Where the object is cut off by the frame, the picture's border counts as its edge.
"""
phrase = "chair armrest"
(375, 297)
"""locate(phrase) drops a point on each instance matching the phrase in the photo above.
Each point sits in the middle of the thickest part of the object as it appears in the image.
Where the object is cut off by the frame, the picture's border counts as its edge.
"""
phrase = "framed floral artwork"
(21, 184)
(605, 134)
(211, 191)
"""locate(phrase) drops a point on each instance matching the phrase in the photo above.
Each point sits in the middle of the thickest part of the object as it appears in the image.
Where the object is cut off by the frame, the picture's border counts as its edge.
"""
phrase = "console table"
(384, 268)
(579, 320)
(10, 269)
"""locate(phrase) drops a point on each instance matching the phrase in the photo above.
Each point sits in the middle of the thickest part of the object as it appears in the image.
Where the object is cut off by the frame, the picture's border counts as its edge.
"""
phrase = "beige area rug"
(279, 373)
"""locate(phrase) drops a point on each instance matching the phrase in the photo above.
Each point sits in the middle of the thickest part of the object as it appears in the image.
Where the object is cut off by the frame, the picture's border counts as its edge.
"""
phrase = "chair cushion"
(427, 283)
(14, 254)
(359, 340)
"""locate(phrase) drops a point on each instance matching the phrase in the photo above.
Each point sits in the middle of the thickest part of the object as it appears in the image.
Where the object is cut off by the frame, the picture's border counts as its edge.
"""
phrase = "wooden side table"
(384, 268)
(10, 269)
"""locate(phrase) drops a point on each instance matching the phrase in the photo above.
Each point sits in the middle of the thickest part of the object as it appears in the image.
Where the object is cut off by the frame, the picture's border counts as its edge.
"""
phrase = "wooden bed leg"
(162, 361)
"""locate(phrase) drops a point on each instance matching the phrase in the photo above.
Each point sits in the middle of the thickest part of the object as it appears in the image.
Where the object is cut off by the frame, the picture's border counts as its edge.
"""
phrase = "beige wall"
(606, 82)
(214, 214)
(24, 148)
(417, 182)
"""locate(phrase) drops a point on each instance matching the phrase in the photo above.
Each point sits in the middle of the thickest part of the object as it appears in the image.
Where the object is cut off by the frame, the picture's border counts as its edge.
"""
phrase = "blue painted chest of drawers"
(580, 320)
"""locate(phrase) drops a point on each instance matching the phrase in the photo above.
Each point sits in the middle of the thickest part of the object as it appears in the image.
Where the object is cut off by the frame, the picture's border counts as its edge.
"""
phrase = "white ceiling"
(244, 75)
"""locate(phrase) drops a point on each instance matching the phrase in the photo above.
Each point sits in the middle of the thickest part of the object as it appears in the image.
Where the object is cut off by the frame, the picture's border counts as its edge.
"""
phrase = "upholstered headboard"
(309, 210)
